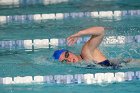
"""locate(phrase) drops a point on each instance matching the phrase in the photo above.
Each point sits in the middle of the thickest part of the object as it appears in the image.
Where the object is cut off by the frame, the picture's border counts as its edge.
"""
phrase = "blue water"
(27, 42)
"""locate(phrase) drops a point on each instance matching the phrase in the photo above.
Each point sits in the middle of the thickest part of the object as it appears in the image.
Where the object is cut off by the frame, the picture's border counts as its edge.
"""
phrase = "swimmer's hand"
(72, 39)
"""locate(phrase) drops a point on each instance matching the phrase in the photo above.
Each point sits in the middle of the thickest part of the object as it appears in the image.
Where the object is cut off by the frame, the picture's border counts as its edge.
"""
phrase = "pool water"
(30, 30)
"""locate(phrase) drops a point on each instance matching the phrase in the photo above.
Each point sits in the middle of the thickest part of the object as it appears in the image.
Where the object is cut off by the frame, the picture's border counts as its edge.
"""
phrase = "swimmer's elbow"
(101, 30)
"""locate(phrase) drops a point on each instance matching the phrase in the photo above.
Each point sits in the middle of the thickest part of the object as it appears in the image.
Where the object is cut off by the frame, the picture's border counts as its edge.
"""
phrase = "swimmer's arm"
(118, 61)
(94, 31)
(90, 31)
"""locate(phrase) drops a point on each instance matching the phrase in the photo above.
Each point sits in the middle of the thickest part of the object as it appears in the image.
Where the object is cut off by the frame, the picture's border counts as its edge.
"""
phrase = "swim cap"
(57, 53)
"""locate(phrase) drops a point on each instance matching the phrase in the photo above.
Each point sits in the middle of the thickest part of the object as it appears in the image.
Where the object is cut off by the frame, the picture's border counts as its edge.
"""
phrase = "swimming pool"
(30, 30)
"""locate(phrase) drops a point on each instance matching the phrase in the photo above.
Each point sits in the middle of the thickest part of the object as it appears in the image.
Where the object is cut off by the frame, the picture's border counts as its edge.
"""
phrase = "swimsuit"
(104, 63)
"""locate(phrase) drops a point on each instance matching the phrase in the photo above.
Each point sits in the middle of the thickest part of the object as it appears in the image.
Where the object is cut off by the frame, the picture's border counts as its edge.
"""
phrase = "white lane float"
(89, 78)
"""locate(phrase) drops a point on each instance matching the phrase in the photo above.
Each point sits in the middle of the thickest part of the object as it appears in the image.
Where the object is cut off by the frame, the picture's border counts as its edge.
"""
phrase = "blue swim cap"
(57, 53)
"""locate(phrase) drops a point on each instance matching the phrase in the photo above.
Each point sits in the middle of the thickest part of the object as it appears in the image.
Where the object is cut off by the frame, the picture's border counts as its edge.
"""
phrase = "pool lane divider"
(88, 78)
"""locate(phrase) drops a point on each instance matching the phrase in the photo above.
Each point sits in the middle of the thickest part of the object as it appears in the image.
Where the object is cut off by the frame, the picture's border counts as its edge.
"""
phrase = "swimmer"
(90, 50)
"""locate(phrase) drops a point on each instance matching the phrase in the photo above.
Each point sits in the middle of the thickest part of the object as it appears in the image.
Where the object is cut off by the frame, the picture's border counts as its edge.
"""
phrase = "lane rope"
(88, 78)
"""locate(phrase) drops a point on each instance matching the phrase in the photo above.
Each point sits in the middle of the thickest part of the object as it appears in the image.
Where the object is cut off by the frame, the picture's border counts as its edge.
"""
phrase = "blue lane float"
(89, 78)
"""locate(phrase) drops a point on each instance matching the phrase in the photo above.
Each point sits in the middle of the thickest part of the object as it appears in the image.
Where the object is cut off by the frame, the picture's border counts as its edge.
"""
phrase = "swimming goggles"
(66, 56)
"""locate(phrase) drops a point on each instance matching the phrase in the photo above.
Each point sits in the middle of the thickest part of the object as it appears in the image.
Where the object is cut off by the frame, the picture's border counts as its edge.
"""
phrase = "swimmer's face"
(68, 57)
